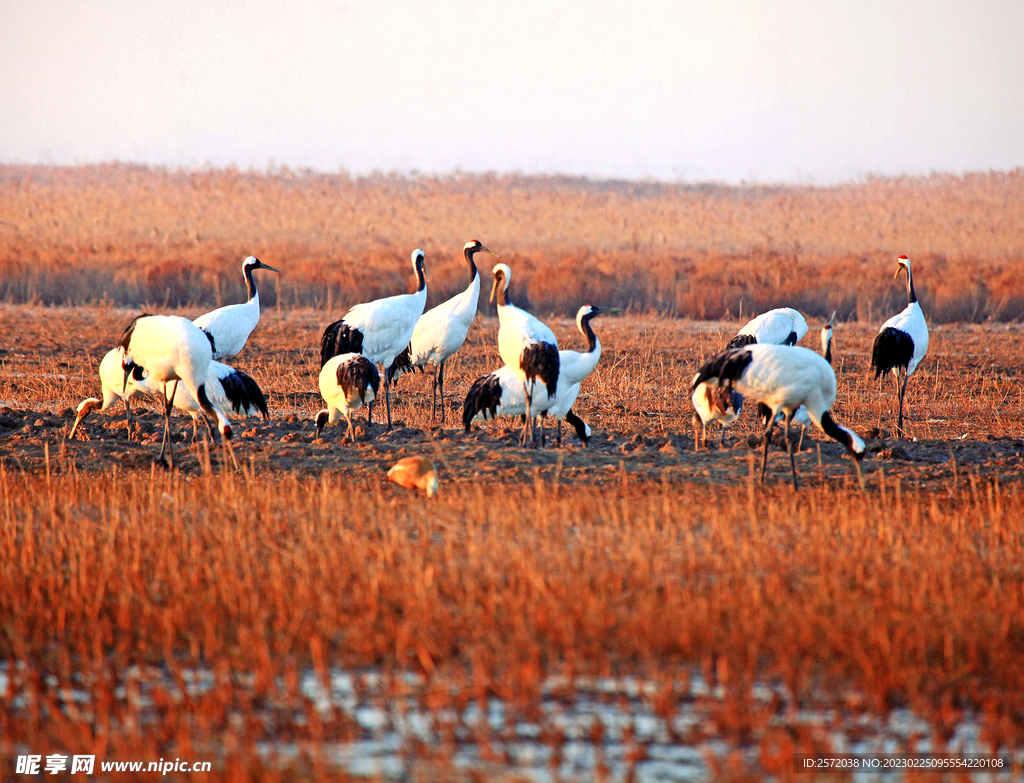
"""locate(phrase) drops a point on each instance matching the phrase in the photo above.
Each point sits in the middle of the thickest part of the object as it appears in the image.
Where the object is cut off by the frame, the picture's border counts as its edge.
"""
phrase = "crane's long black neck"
(503, 298)
(828, 351)
(588, 330)
(911, 294)
(473, 271)
(250, 283)
(420, 277)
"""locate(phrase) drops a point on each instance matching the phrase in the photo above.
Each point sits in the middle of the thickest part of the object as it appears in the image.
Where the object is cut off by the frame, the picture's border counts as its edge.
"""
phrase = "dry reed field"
(131, 235)
(636, 610)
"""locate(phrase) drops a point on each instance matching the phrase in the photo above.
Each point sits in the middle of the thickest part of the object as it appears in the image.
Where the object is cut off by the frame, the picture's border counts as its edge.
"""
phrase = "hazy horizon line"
(272, 167)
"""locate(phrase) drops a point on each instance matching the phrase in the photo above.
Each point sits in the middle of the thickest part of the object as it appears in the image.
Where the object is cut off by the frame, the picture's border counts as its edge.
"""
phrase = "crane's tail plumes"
(727, 366)
(401, 365)
(541, 360)
(244, 394)
(358, 375)
(339, 338)
(892, 348)
(741, 340)
(483, 398)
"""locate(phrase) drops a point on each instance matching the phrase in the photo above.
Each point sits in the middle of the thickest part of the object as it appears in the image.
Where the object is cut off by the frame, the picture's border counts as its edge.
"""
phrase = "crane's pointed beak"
(494, 289)
(832, 320)
(898, 270)
(127, 372)
(269, 267)
(611, 310)
(489, 252)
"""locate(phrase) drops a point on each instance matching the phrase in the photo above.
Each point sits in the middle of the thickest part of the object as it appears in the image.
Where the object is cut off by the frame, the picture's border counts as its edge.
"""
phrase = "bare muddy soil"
(964, 409)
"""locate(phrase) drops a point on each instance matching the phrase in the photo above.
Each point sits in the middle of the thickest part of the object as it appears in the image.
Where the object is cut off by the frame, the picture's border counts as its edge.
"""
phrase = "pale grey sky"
(807, 90)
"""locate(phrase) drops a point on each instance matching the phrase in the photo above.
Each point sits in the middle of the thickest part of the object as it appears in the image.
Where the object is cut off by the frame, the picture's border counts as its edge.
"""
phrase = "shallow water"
(581, 730)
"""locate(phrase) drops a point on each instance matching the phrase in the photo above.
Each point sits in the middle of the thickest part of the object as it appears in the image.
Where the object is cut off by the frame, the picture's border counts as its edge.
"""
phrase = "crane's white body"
(341, 401)
(911, 320)
(776, 326)
(442, 330)
(784, 378)
(112, 382)
(231, 325)
(387, 324)
(518, 329)
(173, 351)
(347, 382)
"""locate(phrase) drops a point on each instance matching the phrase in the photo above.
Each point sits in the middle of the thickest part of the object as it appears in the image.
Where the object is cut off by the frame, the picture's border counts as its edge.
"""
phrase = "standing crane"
(442, 330)
(527, 346)
(379, 330)
(784, 378)
(902, 341)
(230, 326)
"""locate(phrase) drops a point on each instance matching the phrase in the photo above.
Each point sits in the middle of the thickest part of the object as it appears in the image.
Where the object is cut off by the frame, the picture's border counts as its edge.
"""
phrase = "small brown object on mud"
(415, 473)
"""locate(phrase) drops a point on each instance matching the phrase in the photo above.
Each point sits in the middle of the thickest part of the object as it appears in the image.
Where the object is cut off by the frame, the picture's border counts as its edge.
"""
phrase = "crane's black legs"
(440, 384)
(528, 432)
(789, 448)
(433, 399)
(767, 442)
(166, 456)
(128, 416)
(387, 401)
(903, 392)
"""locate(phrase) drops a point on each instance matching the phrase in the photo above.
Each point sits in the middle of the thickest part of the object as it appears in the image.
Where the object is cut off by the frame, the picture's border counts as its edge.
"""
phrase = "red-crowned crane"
(347, 382)
(526, 345)
(228, 388)
(501, 393)
(902, 341)
(230, 326)
(782, 326)
(442, 330)
(169, 350)
(784, 378)
(379, 330)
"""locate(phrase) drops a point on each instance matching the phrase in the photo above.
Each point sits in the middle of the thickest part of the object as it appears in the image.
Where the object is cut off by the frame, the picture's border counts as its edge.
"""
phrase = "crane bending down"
(784, 378)
(229, 388)
(230, 326)
(170, 350)
(347, 382)
(782, 326)
(442, 330)
(379, 330)
(902, 341)
(527, 346)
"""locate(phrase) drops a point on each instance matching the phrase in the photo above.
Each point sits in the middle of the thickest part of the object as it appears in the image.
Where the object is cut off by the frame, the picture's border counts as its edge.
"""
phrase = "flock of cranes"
(180, 360)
